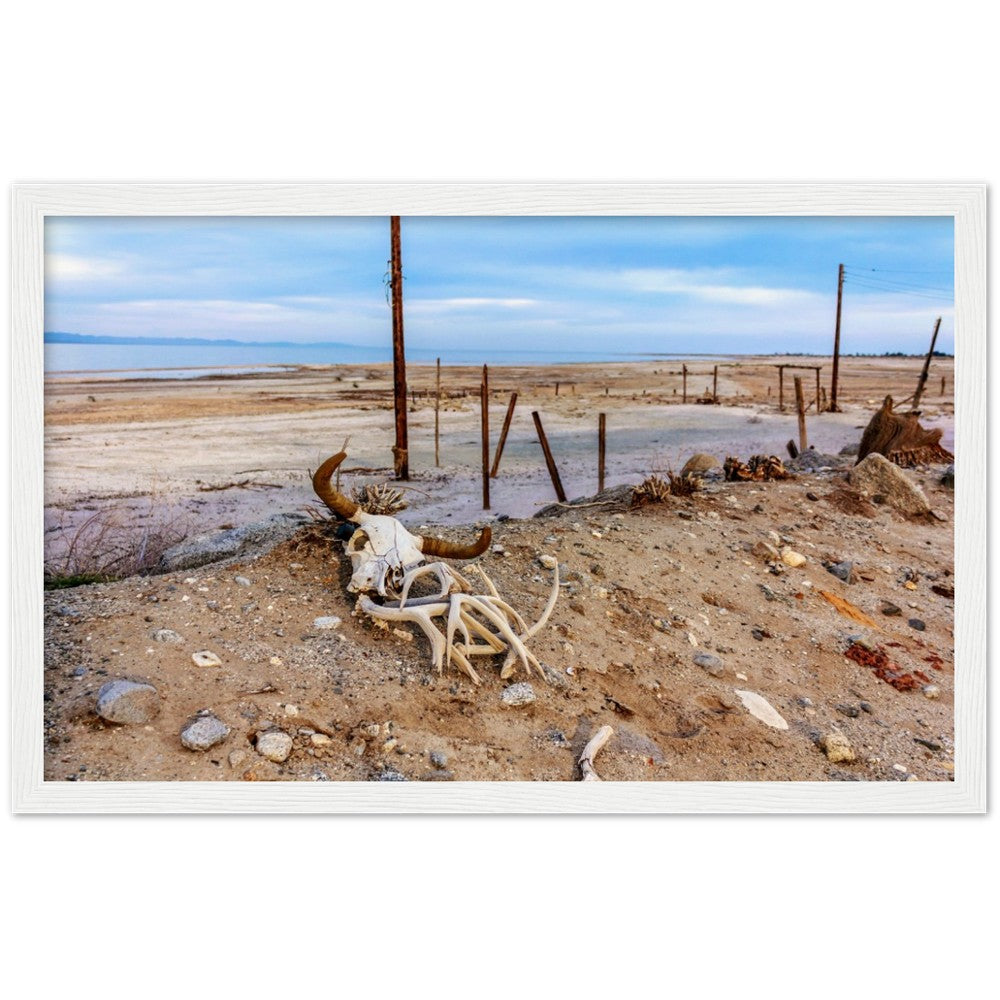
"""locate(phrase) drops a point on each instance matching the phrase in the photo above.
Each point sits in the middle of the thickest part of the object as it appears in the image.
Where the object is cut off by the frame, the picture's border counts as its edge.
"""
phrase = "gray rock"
(327, 622)
(842, 571)
(518, 694)
(711, 664)
(948, 479)
(438, 776)
(850, 449)
(204, 731)
(438, 758)
(390, 775)
(80, 672)
(851, 711)
(274, 745)
(217, 545)
(877, 476)
(916, 623)
(890, 609)
(166, 635)
(242, 581)
(128, 701)
(810, 460)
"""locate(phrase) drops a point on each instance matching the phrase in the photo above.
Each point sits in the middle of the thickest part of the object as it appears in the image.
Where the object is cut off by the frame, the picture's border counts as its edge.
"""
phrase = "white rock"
(327, 621)
(274, 745)
(792, 558)
(518, 694)
(549, 562)
(761, 709)
(320, 740)
(931, 691)
(206, 658)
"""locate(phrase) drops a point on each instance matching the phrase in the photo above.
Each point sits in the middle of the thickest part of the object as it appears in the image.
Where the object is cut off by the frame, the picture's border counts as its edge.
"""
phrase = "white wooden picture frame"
(965, 203)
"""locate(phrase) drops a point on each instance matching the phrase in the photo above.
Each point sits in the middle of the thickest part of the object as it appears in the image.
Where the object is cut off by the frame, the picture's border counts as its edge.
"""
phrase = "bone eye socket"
(357, 541)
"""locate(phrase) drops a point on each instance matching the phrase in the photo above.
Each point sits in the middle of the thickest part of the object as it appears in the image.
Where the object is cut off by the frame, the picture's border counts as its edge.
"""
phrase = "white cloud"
(456, 304)
(69, 267)
(704, 285)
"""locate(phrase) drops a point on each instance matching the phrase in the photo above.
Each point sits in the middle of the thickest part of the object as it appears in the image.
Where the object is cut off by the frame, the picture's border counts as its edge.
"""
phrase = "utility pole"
(836, 342)
(400, 452)
(927, 367)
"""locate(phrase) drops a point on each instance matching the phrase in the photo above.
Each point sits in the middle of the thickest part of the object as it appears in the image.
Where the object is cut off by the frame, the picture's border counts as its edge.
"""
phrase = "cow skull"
(381, 549)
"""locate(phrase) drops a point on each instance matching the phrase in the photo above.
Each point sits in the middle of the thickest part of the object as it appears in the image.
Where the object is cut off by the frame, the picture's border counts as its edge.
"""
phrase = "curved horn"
(452, 550)
(334, 499)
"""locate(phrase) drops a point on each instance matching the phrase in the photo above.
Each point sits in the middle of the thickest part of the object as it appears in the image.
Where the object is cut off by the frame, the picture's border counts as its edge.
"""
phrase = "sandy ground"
(644, 591)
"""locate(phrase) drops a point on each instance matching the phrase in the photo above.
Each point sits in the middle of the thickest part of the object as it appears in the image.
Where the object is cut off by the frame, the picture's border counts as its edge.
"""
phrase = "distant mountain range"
(55, 337)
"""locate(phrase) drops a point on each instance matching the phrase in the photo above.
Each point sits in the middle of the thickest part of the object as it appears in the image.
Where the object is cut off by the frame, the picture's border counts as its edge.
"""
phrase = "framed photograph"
(499, 498)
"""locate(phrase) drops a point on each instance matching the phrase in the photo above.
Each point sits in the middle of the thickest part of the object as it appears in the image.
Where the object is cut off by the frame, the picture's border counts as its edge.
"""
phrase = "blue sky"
(664, 284)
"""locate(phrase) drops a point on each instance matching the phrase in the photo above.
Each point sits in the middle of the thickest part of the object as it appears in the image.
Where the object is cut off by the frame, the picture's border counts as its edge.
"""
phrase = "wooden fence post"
(601, 442)
(503, 434)
(549, 460)
(818, 411)
(684, 374)
(437, 418)
(781, 388)
(801, 407)
(484, 399)
(715, 384)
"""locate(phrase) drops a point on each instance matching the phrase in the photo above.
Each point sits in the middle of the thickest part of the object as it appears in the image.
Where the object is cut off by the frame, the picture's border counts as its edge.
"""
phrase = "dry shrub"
(654, 489)
(111, 544)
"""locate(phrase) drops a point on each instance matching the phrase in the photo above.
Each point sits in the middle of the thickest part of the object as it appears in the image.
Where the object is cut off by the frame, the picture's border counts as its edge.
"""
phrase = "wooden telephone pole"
(836, 343)
(400, 452)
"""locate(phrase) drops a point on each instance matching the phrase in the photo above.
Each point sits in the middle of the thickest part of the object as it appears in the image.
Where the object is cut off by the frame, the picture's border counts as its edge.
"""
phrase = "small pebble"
(206, 658)
(203, 731)
(837, 748)
(327, 622)
(237, 757)
(931, 691)
(851, 711)
(274, 745)
(167, 635)
(242, 581)
(438, 758)
(518, 694)
(320, 740)
(890, 609)
(792, 558)
(917, 624)
(709, 663)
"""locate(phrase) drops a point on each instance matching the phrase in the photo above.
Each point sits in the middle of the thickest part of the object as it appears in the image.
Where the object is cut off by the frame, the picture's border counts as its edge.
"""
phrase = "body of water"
(192, 360)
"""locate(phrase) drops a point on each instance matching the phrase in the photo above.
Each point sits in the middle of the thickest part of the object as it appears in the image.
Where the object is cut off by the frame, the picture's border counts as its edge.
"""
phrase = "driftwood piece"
(901, 439)
(591, 750)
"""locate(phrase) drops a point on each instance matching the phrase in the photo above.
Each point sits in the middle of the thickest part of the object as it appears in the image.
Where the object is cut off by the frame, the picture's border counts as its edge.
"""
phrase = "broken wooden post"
(557, 388)
(484, 403)
(818, 411)
(549, 460)
(437, 417)
(927, 364)
(715, 384)
(801, 407)
(792, 450)
(503, 434)
(684, 391)
(601, 429)
(781, 388)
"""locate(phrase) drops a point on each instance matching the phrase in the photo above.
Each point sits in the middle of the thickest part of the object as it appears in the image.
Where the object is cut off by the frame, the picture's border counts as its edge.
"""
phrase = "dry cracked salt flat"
(674, 623)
